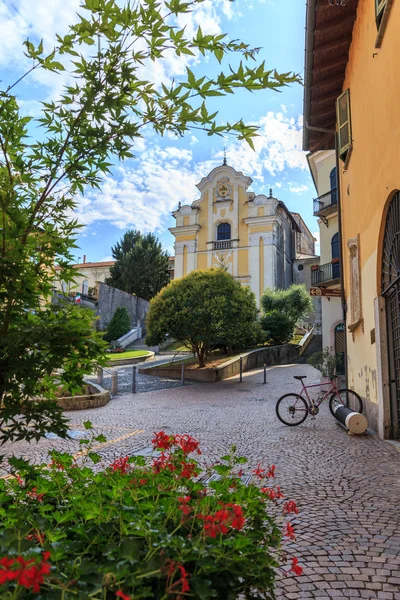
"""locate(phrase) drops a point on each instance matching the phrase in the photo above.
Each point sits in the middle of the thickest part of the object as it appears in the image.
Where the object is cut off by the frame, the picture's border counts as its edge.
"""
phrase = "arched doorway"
(340, 347)
(390, 289)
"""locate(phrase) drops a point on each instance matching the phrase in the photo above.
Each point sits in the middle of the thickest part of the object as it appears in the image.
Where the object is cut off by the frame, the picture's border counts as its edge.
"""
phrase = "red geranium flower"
(290, 507)
(297, 570)
(172, 568)
(183, 506)
(121, 465)
(289, 532)
(26, 573)
(238, 520)
(187, 444)
(259, 472)
(34, 495)
(188, 470)
(56, 464)
(162, 440)
(120, 594)
(230, 515)
(272, 494)
(271, 471)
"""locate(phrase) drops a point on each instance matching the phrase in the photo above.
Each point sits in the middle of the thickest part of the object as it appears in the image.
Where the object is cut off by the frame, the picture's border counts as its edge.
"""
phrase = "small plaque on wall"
(373, 336)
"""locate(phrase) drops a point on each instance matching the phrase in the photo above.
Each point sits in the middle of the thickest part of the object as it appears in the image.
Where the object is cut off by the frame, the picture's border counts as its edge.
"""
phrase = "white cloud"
(106, 258)
(143, 193)
(278, 147)
(142, 196)
(297, 189)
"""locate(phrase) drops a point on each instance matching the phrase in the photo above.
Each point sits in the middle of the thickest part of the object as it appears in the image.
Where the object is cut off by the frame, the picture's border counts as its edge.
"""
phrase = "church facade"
(254, 237)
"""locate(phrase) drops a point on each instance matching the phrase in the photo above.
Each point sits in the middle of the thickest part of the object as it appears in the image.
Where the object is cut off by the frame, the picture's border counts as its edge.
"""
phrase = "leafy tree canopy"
(102, 111)
(282, 311)
(203, 310)
(141, 265)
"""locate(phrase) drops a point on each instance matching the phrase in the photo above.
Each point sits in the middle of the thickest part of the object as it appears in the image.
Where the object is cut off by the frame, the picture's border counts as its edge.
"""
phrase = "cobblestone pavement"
(347, 488)
(144, 383)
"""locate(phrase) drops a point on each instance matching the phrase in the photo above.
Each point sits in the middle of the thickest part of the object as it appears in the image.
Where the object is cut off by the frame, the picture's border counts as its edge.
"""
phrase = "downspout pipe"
(340, 229)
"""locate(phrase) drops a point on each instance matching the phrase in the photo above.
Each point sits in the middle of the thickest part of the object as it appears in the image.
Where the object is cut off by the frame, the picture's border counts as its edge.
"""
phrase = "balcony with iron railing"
(326, 275)
(326, 204)
(222, 245)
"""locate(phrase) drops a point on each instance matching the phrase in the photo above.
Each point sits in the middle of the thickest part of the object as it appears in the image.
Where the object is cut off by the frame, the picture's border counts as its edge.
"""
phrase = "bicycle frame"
(332, 388)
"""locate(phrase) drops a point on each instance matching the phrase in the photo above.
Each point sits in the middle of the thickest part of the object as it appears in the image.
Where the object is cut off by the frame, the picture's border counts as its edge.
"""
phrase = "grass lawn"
(214, 360)
(128, 354)
(175, 347)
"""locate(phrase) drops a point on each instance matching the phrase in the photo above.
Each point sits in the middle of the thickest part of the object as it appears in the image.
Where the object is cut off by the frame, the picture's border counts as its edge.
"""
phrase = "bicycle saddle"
(300, 377)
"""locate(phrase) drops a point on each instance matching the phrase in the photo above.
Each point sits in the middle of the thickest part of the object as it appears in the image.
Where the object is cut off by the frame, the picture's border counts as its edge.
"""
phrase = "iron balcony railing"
(328, 200)
(325, 273)
(223, 245)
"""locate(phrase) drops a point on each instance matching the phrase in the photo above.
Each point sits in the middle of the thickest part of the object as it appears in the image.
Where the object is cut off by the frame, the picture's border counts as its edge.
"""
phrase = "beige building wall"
(321, 164)
(88, 274)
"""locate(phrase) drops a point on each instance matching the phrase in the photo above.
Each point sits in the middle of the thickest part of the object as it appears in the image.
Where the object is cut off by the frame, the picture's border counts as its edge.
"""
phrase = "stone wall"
(109, 299)
(271, 355)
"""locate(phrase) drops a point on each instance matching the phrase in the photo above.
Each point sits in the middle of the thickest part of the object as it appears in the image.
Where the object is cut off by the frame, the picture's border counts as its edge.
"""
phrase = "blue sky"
(142, 193)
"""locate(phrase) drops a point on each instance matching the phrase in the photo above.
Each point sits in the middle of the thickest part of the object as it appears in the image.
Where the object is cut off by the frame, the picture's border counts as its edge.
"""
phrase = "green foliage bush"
(282, 310)
(327, 362)
(142, 529)
(203, 310)
(278, 327)
(119, 325)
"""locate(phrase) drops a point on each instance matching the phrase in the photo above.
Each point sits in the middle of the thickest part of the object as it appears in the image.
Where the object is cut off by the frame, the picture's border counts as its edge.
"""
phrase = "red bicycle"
(293, 409)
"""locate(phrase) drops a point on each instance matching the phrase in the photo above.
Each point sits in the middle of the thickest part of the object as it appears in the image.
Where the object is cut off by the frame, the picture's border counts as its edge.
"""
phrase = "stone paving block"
(348, 529)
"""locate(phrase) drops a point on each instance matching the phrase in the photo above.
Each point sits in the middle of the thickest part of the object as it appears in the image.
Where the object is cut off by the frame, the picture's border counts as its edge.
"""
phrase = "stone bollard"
(114, 382)
(134, 380)
(183, 374)
(100, 376)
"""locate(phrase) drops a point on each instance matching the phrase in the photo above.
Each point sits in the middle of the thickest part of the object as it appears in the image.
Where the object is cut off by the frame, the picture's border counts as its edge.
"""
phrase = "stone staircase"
(314, 346)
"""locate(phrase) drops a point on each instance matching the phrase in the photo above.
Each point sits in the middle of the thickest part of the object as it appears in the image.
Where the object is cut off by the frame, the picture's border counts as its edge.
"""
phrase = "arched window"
(223, 232)
(333, 181)
(335, 256)
(335, 246)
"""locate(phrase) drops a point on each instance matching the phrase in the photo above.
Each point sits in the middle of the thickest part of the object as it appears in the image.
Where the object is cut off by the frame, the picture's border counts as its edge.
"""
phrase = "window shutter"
(344, 124)
(379, 8)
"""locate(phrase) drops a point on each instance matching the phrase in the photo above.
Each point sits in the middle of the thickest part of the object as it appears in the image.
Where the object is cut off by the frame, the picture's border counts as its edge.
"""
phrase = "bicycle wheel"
(291, 409)
(346, 398)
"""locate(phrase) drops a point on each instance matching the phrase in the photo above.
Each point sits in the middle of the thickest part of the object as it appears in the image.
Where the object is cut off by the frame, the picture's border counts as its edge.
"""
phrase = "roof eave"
(308, 67)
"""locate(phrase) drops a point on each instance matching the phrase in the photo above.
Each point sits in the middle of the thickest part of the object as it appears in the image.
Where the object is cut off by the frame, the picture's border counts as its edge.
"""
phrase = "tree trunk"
(201, 357)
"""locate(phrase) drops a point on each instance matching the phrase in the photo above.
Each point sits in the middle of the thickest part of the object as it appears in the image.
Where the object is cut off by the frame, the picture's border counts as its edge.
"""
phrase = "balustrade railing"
(325, 273)
(325, 201)
(223, 245)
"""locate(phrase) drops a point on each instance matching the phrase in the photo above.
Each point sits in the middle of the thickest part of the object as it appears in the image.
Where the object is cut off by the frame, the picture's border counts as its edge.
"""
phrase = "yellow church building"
(254, 237)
